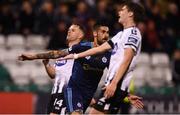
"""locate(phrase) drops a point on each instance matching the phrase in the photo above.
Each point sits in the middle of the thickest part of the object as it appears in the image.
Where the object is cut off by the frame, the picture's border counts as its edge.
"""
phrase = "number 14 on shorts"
(58, 102)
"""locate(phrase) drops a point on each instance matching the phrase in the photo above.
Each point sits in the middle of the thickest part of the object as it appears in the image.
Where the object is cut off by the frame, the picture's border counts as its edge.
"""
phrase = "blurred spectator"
(153, 14)
(145, 44)
(152, 37)
(91, 3)
(82, 12)
(7, 20)
(26, 18)
(171, 28)
(90, 24)
(58, 37)
(62, 13)
(176, 67)
(45, 18)
(172, 20)
(101, 14)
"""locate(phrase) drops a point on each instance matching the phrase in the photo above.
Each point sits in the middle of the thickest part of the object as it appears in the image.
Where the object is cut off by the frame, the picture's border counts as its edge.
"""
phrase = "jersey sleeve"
(133, 40)
(113, 40)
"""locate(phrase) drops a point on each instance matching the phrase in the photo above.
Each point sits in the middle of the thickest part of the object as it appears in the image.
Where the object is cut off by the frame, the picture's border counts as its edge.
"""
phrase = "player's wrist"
(76, 56)
(30, 57)
(114, 82)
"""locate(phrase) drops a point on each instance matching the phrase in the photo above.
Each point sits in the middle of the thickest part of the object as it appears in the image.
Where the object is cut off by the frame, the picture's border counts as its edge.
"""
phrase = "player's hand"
(70, 56)
(45, 61)
(110, 90)
(24, 57)
(136, 101)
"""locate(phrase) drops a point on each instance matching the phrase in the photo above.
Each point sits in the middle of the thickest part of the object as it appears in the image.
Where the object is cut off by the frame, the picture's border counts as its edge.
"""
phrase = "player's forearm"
(96, 50)
(50, 55)
(121, 71)
(89, 52)
(128, 56)
(50, 71)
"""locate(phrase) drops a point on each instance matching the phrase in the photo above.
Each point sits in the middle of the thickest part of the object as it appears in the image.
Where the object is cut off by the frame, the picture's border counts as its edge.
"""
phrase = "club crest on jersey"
(88, 57)
(104, 59)
(61, 63)
(79, 104)
(70, 48)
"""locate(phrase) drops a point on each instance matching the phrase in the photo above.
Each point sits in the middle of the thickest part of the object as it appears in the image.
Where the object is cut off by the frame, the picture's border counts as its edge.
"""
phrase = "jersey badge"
(88, 57)
(104, 59)
(70, 48)
(79, 104)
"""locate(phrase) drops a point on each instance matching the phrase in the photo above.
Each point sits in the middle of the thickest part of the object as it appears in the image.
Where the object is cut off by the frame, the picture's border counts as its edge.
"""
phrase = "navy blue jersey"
(86, 73)
(93, 69)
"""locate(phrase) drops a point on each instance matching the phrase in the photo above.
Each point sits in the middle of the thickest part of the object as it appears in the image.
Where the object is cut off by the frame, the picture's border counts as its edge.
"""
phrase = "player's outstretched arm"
(96, 50)
(45, 55)
(136, 101)
(49, 68)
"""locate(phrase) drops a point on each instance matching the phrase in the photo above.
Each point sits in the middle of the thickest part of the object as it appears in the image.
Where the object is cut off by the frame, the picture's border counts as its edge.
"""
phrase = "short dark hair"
(137, 9)
(97, 25)
(81, 27)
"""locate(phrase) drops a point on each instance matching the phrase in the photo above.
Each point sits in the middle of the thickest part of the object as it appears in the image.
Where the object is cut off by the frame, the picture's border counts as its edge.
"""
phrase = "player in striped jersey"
(125, 47)
(60, 71)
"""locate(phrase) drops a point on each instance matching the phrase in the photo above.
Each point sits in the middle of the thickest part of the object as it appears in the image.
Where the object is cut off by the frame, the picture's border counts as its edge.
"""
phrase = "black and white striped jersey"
(128, 38)
(63, 71)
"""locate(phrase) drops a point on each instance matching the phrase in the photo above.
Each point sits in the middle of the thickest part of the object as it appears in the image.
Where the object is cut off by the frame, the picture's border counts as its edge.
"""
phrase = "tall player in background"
(125, 46)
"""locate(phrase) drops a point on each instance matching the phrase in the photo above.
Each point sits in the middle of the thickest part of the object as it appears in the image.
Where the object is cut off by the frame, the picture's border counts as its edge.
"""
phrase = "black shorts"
(56, 104)
(111, 105)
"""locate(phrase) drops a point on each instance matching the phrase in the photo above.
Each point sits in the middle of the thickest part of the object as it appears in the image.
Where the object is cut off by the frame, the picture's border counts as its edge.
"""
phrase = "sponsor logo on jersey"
(61, 63)
(132, 40)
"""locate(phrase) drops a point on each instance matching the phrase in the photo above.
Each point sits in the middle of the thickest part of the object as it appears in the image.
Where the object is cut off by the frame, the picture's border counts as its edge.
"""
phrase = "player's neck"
(129, 24)
(95, 44)
(71, 43)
